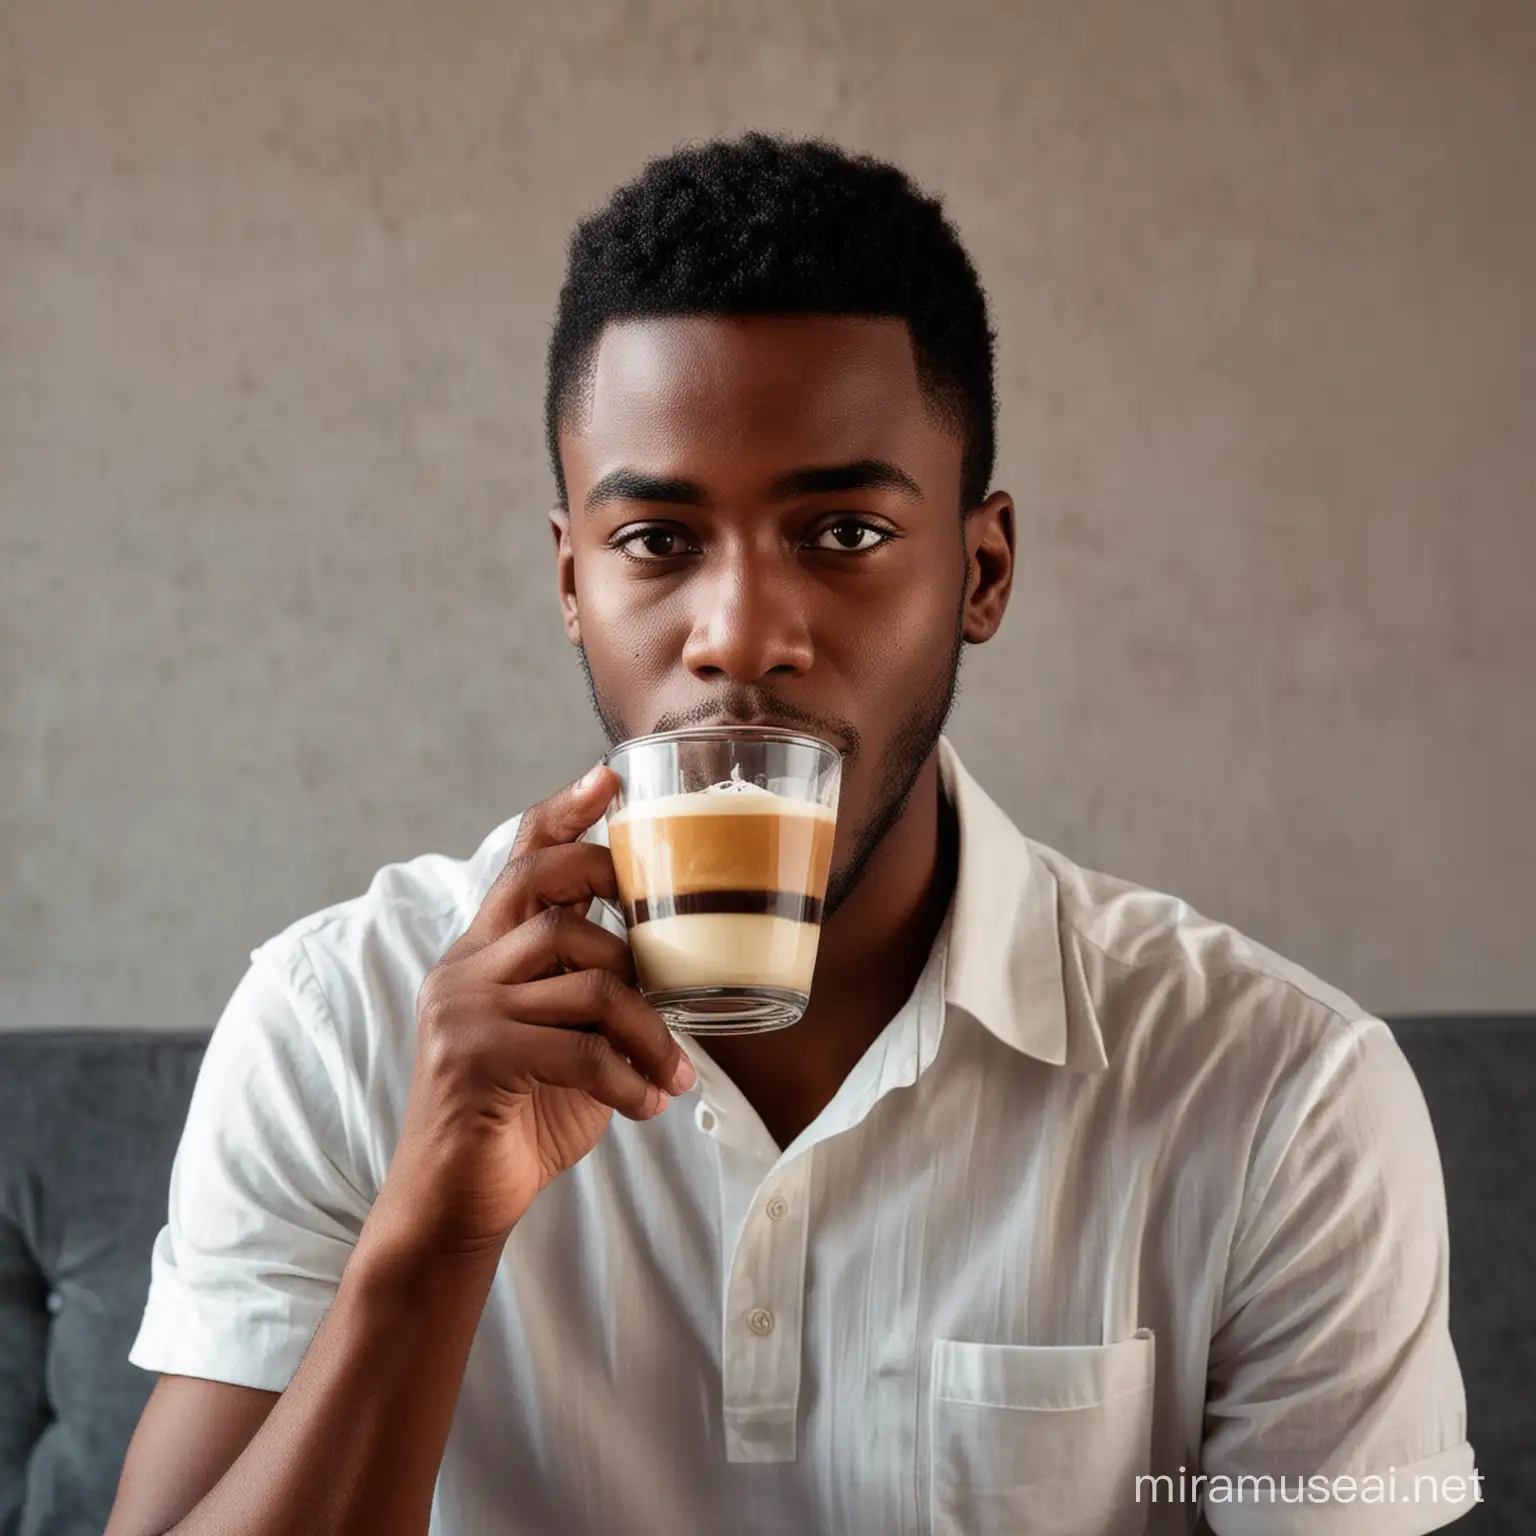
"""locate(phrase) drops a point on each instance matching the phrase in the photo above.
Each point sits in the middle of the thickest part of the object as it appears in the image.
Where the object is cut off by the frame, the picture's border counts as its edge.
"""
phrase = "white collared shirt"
(1118, 1193)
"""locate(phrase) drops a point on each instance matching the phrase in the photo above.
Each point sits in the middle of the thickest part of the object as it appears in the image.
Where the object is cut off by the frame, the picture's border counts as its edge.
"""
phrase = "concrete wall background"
(275, 598)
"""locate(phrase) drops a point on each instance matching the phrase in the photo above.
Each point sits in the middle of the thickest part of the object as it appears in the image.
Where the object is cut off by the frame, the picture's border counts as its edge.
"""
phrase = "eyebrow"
(629, 484)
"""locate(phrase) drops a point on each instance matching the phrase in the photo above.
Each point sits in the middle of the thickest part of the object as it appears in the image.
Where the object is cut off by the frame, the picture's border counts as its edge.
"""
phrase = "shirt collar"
(1005, 964)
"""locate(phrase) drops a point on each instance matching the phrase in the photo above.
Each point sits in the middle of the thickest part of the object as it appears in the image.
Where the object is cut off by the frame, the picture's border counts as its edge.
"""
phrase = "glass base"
(729, 1010)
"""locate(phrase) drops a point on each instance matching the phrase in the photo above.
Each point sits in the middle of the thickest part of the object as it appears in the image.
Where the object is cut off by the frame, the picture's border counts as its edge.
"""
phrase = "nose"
(748, 626)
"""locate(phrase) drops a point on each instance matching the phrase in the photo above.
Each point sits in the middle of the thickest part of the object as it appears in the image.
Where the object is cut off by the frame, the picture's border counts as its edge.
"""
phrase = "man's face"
(704, 584)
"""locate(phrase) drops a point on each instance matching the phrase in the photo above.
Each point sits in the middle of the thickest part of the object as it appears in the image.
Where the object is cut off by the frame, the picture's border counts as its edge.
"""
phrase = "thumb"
(567, 813)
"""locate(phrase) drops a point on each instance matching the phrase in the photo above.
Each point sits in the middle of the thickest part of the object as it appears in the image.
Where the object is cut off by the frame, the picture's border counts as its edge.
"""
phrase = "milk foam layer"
(738, 799)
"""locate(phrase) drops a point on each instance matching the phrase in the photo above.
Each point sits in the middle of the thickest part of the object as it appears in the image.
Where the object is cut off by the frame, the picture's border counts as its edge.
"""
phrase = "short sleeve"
(1335, 1404)
(264, 1207)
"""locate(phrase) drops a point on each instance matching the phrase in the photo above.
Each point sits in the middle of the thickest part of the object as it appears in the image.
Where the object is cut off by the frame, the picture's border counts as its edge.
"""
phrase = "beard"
(911, 745)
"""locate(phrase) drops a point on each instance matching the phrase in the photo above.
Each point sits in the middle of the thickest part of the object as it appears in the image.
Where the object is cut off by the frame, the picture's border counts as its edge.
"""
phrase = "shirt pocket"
(1042, 1439)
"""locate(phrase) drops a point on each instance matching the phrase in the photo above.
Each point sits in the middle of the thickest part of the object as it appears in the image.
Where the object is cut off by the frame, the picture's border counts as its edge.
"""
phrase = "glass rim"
(764, 733)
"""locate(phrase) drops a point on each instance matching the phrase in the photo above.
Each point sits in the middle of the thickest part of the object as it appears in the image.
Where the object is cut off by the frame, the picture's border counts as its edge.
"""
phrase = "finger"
(568, 875)
(625, 1019)
(568, 1059)
(567, 813)
(558, 939)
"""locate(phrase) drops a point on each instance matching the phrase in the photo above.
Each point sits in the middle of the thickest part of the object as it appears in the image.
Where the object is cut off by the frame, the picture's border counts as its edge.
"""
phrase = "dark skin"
(839, 612)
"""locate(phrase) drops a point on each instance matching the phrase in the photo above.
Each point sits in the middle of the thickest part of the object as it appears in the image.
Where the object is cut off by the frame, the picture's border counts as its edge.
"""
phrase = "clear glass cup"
(722, 842)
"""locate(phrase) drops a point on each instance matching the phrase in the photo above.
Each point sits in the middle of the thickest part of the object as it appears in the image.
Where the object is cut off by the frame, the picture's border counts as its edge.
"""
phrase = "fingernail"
(684, 1077)
(658, 1101)
(590, 778)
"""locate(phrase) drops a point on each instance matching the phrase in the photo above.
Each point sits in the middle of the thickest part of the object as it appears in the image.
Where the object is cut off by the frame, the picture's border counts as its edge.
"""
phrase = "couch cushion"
(88, 1129)
(1479, 1081)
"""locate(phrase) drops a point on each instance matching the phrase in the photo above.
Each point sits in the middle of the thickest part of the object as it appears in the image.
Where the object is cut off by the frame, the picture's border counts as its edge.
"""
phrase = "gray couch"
(89, 1123)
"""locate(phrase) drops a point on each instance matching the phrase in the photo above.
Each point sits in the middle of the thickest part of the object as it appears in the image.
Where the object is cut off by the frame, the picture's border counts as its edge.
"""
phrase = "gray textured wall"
(276, 604)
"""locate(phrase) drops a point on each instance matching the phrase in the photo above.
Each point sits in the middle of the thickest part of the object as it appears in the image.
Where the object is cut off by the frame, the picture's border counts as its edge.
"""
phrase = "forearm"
(354, 1443)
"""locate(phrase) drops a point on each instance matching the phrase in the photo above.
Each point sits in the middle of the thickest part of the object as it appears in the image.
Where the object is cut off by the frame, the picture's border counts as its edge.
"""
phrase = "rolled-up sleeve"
(265, 1207)
(1335, 1404)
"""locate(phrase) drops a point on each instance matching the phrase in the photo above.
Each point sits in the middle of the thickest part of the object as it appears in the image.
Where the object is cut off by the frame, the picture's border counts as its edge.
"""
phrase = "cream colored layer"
(724, 949)
(758, 802)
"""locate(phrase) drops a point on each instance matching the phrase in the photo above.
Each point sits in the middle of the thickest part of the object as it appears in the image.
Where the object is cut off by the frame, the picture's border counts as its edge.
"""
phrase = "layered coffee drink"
(721, 839)
(723, 887)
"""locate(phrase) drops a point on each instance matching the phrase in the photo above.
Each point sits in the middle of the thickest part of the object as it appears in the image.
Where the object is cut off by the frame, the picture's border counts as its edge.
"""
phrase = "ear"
(989, 536)
(565, 572)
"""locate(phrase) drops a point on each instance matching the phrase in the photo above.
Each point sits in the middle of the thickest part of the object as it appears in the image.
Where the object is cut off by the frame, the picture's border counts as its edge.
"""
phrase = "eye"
(852, 536)
(651, 544)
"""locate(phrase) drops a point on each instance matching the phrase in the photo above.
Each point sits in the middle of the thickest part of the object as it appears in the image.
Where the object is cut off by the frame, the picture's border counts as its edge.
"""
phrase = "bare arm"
(352, 1445)
(189, 1435)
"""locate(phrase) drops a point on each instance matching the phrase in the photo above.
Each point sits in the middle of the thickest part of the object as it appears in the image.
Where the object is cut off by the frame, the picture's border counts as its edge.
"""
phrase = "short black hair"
(765, 225)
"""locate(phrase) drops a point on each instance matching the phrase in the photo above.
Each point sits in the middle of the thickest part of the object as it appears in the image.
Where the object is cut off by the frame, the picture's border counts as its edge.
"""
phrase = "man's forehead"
(748, 395)
(777, 365)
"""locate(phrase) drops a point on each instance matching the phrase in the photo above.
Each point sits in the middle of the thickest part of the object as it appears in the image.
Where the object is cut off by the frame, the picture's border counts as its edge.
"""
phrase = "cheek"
(626, 632)
(894, 655)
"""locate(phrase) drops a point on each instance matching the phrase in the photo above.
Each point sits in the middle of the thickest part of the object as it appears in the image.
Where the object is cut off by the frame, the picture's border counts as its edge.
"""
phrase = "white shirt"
(1116, 1192)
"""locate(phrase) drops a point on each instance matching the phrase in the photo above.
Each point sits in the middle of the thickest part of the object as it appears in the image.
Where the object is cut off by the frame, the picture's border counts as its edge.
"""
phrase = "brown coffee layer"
(795, 906)
(679, 855)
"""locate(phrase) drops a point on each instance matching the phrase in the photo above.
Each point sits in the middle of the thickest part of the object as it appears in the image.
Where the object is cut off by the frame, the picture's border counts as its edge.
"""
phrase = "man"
(1057, 1188)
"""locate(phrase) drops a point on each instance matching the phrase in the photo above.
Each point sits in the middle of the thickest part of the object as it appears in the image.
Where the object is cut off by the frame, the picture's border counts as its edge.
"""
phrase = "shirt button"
(777, 1208)
(704, 1118)
(760, 1321)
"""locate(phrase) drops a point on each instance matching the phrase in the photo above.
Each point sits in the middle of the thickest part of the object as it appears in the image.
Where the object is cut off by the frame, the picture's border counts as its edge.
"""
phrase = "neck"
(871, 953)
